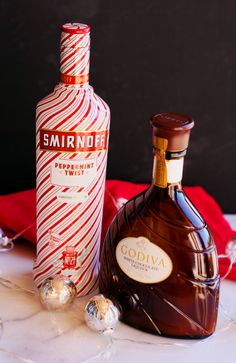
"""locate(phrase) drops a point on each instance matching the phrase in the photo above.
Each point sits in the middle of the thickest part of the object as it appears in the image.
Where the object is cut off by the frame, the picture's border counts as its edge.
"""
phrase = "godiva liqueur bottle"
(159, 259)
(72, 126)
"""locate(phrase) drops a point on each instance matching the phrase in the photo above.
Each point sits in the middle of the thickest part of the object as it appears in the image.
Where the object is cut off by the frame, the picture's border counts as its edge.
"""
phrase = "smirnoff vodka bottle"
(72, 139)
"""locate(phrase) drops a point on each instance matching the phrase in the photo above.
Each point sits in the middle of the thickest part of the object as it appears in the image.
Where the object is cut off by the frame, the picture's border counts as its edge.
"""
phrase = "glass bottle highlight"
(72, 140)
(159, 259)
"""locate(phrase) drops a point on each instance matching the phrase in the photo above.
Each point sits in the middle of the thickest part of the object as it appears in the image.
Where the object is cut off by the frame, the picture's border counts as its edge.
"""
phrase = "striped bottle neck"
(74, 61)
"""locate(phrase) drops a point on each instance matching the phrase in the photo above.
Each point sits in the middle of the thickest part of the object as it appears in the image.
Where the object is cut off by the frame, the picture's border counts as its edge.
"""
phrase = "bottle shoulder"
(72, 104)
(173, 220)
(174, 206)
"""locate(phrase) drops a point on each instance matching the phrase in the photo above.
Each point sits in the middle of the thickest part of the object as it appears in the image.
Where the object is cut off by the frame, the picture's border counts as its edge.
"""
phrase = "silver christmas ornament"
(231, 249)
(101, 314)
(57, 293)
(6, 243)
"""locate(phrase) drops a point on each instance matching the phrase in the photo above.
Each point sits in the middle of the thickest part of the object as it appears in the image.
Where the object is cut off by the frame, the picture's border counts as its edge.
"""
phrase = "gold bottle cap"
(172, 127)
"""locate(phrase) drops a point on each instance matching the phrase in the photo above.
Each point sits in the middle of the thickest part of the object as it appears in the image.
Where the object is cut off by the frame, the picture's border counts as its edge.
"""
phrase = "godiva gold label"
(142, 260)
(160, 171)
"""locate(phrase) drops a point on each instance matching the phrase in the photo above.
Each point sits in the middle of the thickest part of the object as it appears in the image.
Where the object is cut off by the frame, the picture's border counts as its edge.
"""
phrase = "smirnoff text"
(73, 141)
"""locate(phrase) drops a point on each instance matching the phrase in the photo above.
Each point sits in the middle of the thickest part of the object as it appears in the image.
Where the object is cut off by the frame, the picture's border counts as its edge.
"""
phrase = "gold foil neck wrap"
(160, 169)
(160, 143)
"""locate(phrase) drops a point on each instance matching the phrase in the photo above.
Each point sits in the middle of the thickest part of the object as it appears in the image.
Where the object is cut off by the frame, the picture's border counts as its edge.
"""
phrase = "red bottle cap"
(174, 128)
(75, 28)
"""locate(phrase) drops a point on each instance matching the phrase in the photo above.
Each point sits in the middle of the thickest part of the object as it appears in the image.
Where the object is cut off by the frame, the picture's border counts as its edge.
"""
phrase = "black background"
(146, 57)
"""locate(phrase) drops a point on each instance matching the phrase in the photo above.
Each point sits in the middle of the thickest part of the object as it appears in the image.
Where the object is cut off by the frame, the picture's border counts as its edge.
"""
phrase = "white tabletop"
(32, 335)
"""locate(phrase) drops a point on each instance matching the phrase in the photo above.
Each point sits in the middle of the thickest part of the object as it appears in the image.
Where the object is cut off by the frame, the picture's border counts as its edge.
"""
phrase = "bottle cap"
(174, 128)
(75, 46)
(75, 28)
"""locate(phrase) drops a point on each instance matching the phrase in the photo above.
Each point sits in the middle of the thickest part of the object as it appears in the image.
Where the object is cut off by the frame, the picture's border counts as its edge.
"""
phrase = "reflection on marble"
(32, 335)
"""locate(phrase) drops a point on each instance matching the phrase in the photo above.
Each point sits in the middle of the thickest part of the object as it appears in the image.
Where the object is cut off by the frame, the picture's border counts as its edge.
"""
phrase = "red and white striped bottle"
(72, 140)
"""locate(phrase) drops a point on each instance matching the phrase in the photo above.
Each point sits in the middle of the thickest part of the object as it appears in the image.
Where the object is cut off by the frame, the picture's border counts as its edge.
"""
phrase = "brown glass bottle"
(159, 259)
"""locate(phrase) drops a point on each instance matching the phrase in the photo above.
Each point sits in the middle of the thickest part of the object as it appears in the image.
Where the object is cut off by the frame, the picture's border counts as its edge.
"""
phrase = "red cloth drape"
(17, 211)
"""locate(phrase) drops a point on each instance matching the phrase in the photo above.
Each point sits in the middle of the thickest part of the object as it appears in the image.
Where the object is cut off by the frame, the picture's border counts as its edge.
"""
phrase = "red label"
(70, 79)
(73, 141)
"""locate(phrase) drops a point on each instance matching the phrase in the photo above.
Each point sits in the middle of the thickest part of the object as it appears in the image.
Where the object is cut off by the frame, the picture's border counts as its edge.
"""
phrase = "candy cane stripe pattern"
(72, 132)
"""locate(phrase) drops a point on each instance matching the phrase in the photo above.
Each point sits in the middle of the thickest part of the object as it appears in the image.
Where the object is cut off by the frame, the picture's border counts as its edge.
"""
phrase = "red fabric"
(17, 211)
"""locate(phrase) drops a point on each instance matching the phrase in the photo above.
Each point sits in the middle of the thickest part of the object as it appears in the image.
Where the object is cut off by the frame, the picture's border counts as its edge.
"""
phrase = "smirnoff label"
(73, 141)
(142, 260)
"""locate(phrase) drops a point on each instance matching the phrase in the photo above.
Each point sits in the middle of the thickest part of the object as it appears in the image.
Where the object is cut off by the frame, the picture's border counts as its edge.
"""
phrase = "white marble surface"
(32, 335)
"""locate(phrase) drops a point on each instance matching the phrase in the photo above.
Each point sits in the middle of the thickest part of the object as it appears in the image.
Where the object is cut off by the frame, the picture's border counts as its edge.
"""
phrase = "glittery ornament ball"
(57, 293)
(101, 314)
